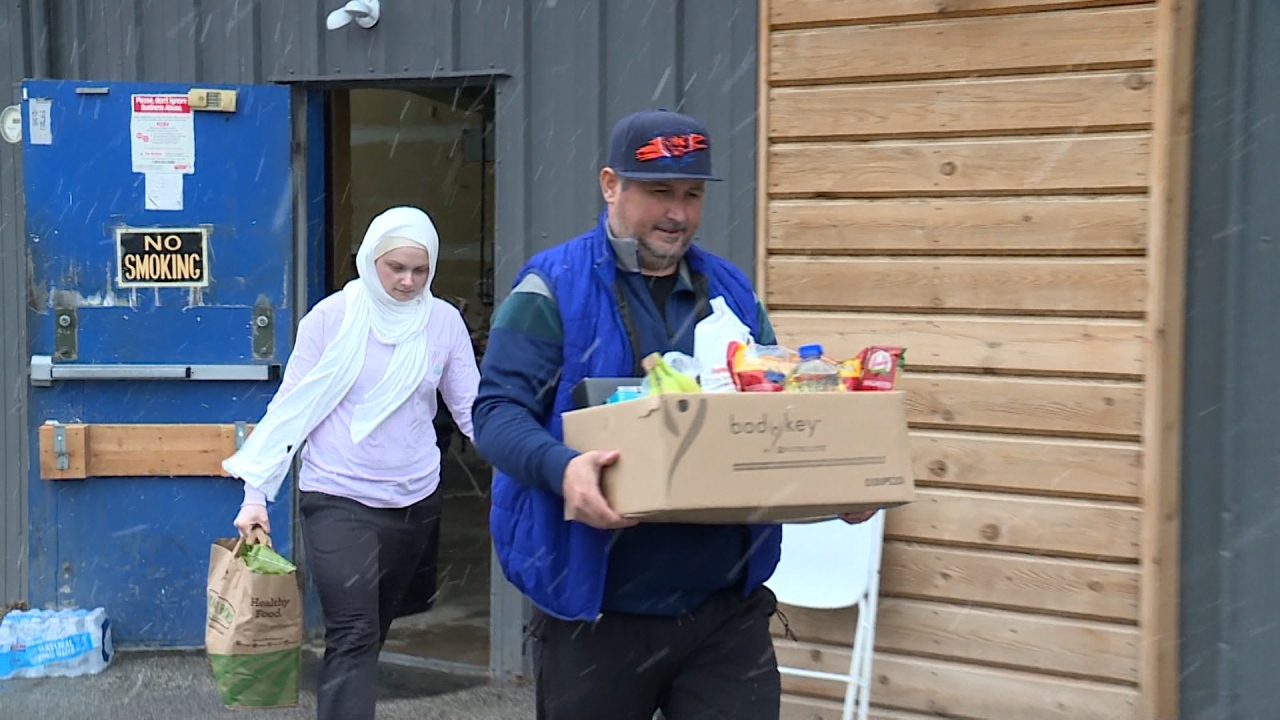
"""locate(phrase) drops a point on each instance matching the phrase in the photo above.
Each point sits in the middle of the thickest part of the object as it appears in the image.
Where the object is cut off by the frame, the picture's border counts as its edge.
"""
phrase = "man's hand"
(853, 518)
(583, 500)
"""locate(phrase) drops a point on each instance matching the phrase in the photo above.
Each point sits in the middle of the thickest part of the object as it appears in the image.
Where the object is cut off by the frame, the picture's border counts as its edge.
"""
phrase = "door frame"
(307, 168)
(509, 610)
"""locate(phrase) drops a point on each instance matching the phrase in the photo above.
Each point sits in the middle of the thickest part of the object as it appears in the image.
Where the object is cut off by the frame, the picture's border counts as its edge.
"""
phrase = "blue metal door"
(160, 232)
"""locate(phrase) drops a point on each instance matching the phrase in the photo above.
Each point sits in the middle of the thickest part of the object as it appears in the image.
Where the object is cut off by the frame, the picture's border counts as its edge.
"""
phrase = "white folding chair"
(829, 565)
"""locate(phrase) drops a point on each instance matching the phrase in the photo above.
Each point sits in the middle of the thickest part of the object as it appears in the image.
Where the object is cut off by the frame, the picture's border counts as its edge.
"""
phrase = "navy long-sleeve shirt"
(654, 568)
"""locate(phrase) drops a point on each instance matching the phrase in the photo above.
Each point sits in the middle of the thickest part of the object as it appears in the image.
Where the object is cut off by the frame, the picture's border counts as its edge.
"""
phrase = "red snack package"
(758, 368)
(732, 360)
(880, 365)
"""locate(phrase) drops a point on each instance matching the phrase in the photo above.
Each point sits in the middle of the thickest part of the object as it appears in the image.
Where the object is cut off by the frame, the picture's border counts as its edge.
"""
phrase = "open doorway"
(430, 148)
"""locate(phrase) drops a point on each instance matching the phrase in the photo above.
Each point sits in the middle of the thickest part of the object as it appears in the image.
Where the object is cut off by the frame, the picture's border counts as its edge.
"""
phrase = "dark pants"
(361, 560)
(716, 662)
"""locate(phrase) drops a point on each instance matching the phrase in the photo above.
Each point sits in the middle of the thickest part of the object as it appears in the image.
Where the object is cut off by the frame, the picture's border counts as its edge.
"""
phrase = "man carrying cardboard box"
(629, 617)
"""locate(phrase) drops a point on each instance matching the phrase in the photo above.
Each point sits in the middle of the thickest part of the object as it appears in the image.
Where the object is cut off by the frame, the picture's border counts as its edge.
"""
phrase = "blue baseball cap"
(660, 145)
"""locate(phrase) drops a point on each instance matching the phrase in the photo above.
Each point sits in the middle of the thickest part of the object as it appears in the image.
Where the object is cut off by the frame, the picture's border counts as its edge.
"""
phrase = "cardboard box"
(750, 457)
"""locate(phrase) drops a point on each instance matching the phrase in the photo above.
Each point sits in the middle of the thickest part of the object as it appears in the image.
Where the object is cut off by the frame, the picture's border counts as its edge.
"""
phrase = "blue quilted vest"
(561, 565)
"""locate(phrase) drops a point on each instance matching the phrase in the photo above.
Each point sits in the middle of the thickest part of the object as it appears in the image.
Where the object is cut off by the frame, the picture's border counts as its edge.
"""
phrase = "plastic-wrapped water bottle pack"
(55, 643)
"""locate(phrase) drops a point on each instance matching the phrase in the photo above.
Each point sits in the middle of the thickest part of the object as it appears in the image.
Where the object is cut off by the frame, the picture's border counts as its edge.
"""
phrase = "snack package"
(851, 373)
(760, 368)
(877, 367)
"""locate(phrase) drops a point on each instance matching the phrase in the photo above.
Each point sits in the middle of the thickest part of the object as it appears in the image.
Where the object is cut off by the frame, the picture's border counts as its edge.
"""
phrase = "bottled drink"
(55, 643)
(814, 373)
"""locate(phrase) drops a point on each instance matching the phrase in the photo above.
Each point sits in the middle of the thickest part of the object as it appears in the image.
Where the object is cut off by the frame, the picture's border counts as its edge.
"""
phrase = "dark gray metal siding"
(13, 363)
(1230, 610)
(571, 69)
(580, 65)
(575, 67)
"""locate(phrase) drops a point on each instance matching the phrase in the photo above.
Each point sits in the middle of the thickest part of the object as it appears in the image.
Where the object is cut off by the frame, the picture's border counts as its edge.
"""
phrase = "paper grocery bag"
(253, 632)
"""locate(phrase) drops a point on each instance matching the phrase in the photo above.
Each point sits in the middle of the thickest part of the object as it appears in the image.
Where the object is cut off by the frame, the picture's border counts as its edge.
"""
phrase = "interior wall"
(406, 148)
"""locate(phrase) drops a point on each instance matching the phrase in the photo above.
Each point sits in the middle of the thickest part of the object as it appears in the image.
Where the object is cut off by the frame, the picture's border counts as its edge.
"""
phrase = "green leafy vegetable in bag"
(263, 560)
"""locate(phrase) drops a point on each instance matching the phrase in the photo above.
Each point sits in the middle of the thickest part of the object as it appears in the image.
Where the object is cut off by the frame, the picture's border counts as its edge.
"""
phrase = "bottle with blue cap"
(814, 373)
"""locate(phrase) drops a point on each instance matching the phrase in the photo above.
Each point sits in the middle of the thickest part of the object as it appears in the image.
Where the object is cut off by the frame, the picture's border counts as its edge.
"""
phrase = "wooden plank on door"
(1048, 165)
(140, 450)
(1059, 103)
(1005, 44)
(159, 450)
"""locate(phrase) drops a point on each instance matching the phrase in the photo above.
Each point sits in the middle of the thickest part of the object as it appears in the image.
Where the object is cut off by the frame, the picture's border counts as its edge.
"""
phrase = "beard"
(660, 250)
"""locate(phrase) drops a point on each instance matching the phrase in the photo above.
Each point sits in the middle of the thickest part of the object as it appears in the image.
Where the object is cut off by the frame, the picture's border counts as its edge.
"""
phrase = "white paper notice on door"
(40, 130)
(164, 191)
(162, 135)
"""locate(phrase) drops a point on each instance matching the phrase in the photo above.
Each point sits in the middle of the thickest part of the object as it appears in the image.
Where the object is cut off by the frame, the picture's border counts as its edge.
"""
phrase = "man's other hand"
(853, 518)
(583, 500)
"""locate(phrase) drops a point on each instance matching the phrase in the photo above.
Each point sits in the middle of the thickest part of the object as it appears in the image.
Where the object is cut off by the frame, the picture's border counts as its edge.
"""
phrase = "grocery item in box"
(711, 339)
(814, 373)
(874, 368)
(661, 378)
(880, 365)
(760, 368)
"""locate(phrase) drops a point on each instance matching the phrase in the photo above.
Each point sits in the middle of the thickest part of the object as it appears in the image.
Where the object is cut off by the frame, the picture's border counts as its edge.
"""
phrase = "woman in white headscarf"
(359, 396)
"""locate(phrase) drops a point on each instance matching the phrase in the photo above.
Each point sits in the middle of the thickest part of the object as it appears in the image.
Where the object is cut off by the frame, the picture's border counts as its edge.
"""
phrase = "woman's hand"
(251, 515)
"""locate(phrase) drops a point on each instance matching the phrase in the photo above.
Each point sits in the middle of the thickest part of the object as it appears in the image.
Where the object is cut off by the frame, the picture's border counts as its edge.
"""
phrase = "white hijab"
(264, 459)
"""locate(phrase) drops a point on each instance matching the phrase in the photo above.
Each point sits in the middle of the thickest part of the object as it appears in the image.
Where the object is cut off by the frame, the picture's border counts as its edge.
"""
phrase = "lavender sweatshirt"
(399, 463)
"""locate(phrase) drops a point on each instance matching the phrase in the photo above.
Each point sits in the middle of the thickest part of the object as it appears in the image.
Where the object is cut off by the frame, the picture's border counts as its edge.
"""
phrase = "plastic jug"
(711, 338)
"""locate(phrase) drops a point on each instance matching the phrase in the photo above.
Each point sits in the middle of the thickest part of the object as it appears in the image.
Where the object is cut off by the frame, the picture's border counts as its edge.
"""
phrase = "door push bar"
(44, 371)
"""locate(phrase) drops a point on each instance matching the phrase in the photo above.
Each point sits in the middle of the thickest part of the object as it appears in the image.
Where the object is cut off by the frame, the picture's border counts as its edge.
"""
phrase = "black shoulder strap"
(701, 295)
(702, 309)
(629, 325)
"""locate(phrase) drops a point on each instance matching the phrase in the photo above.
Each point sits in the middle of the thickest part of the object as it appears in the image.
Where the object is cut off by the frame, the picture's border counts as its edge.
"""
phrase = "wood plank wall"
(981, 181)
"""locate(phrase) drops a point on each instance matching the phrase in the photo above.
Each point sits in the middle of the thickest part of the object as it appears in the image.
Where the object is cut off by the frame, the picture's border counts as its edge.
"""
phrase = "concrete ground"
(178, 686)
(457, 627)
